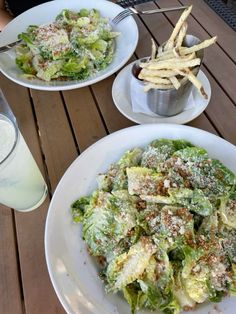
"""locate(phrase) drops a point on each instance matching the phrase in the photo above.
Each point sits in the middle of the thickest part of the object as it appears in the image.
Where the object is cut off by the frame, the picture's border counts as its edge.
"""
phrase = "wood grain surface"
(58, 126)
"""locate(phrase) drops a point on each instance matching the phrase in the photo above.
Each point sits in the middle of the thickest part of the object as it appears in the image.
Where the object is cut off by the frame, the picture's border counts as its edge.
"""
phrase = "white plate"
(73, 272)
(121, 98)
(42, 14)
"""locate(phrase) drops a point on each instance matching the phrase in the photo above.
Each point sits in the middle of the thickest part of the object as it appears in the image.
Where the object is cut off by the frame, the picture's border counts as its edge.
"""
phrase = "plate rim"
(124, 72)
(51, 209)
(78, 84)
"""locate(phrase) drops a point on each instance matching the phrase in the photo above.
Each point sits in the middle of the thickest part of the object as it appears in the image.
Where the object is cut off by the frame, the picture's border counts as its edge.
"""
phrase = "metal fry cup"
(167, 102)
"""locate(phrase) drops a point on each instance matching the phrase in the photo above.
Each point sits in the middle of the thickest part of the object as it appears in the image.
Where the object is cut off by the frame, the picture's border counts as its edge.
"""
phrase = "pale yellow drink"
(22, 186)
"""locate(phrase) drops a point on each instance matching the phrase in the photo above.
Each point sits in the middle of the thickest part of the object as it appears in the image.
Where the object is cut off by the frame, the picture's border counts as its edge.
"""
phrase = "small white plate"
(121, 98)
(125, 43)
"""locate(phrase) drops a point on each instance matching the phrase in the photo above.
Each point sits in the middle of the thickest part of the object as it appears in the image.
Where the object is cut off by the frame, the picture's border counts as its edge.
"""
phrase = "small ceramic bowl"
(164, 102)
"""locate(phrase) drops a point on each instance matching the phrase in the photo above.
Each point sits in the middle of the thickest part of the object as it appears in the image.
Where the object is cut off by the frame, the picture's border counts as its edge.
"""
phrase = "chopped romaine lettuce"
(82, 43)
(24, 60)
(107, 219)
(116, 177)
(142, 181)
(232, 286)
(163, 219)
(180, 293)
(78, 208)
(160, 150)
(228, 211)
(128, 267)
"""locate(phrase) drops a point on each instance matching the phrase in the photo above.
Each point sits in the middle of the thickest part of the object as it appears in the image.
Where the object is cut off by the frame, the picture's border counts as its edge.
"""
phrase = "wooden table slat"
(56, 135)
(39, 295)
(202, 122)
(113, 118)
(221, 110)
(10, 291)
(84, 117)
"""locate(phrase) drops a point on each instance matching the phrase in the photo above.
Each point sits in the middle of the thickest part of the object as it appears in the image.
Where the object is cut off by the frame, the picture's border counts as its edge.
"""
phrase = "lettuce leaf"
(128, 267)
(160, 150)
(83, 41)
(106, 221)
(116, 177)
(227, 211)
(78, 208)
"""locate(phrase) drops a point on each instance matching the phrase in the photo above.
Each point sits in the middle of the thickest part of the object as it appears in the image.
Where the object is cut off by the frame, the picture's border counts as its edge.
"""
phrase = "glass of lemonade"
(22, 186)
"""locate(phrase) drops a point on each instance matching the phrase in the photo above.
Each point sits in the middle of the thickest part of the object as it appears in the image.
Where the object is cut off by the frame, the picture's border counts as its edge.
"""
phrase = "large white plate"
(122, 100)
(73, 272)
(125, 43)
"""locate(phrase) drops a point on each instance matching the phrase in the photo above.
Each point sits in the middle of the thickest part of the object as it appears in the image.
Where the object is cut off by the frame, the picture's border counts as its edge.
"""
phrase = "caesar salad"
(162, 225)
(74, 47)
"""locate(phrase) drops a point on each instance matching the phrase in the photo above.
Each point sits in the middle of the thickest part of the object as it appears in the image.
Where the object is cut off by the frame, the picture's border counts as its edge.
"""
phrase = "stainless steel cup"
(171, 101)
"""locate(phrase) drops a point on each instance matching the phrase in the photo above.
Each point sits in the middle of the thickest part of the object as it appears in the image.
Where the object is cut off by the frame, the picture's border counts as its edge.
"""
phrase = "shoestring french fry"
(159, 73)
(187, 50)
(181, 35)
(187, 57)
(155, 79)
(206, 43)
(176, 52)
(171, 64)
(170, 42)
(192, 78)
(157, 86)
(154, 64)
(190, 56)
(154, 49)
(160, 50)
(165, 56)
(168, 54)
(175, 82)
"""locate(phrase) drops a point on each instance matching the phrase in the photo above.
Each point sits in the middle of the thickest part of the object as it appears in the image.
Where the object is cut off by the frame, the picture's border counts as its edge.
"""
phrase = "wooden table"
(58, 126)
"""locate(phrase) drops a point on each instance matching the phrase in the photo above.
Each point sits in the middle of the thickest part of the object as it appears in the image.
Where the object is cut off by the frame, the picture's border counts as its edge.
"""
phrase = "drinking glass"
(22, 186)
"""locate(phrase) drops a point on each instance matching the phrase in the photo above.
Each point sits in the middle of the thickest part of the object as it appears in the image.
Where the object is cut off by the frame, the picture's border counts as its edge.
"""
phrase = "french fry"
(159, 73)
(181, 35)
(171, 64)
(160, 50)
(154, 49)
(206, 43)
(166, 56)
(175, 82)
(157, 86)
(150, 63)
(174, 53)
(170, 42)
(192, 78)
(154, 79)
(188, 57)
